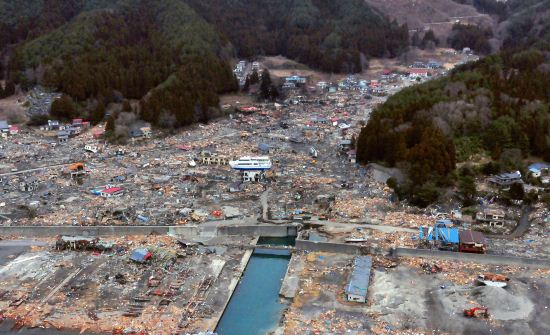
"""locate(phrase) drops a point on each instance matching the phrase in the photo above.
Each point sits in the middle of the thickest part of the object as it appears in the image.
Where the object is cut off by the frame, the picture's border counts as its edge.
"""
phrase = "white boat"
(251, 163)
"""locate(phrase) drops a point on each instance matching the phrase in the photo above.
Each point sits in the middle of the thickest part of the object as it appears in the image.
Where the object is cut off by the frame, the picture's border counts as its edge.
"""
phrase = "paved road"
(521, 228)
(34, 169)
(10, 249)
(264, 199)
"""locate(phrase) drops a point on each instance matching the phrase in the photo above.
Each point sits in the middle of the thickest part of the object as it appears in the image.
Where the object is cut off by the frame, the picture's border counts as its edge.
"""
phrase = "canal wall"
(289, 286)
(476, 258)
(266, 230)
(329, 247)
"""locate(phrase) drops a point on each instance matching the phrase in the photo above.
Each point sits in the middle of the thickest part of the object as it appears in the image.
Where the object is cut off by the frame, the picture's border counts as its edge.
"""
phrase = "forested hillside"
(151, 50)
(527, 25)
(497, 107)
(325, 34)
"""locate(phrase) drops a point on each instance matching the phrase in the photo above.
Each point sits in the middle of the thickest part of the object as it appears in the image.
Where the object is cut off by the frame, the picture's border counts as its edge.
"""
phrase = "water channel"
(255, 307)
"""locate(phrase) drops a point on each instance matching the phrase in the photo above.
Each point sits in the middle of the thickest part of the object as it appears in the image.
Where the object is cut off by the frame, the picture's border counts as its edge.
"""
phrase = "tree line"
(497, 107)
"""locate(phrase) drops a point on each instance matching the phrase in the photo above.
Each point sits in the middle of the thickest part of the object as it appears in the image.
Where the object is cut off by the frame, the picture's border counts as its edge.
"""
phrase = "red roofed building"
(98, 133)
(14, 130)
(111, 192)
(414, 73)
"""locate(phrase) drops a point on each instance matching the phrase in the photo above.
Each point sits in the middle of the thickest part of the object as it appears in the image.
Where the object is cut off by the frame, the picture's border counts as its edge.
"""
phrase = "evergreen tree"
(110, 126)
(246, 85)
(266, 86)
(254, 77)
(63, 107)
(126, 107)
(467, 188)
(516, 191)
(98, 113)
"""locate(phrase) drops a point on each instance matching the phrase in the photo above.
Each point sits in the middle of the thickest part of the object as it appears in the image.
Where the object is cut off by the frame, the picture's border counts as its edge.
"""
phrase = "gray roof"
(360, 277)
(4, 124)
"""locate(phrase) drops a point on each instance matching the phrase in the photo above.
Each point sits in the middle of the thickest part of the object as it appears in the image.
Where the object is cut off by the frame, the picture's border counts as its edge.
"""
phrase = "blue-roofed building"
(358, 284)
(441, 235)
(4, 126)
(537, 169)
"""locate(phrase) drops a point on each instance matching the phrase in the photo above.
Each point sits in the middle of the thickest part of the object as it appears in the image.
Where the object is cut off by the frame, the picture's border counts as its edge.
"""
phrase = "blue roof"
(539, 166)
(140, 255)
(449, 235)
(360, 277)
(3, 124)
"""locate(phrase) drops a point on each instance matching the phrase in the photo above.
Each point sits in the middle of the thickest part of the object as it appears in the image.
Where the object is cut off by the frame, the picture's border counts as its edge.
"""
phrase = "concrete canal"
(255, 307)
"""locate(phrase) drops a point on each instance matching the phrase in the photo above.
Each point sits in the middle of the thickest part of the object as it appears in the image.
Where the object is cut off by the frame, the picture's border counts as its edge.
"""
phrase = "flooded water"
(255, 307)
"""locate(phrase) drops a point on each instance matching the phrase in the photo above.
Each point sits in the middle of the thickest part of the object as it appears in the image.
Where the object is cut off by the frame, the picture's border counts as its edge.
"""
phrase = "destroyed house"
(491, 216)
(82, 243)
(29, 185)
(358, 284)
(537, 169)
(506, 179)
(136, 133)
(345, 145)
(62, 136)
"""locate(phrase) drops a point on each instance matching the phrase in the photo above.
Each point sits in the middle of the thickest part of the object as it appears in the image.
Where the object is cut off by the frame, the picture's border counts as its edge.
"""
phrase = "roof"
(511, 175)
(449, 235)
(360, 277)
(418, 71)
(111, 190)
(77, 238)
(140, 255)
(4, 124)
(536, 167)
(471, 236)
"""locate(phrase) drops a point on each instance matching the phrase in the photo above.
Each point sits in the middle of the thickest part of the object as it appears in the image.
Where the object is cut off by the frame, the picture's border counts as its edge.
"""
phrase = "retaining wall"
(328, 247)
(39, 231)
(477, 258)
(259, 230)
(190, 231)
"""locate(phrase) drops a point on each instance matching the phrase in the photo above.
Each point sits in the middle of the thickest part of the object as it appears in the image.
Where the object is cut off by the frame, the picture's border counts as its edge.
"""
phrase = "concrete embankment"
(340, 248)
(266, 230)
(289, 287)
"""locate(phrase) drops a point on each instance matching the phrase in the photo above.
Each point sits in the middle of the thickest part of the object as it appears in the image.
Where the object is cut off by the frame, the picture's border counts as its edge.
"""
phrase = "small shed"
(471, 241)
(140, 255)
(4, 127)
(358, 284)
